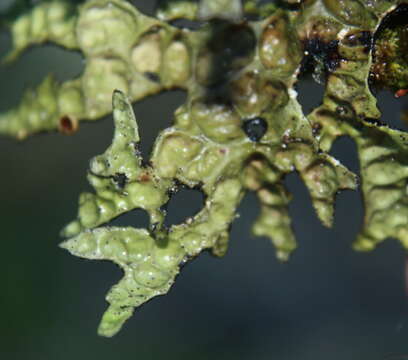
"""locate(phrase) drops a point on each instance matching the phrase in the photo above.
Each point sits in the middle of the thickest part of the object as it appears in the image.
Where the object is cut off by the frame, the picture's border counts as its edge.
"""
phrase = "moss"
(390, 66)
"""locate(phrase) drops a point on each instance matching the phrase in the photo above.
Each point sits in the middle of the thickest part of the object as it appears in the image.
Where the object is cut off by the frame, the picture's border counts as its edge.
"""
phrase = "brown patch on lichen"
(68, 125)
(144, 178)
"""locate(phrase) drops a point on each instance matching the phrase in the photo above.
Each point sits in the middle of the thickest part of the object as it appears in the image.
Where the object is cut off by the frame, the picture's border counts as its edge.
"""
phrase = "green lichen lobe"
(151, 257)
(241, 128)
(122, 49)
(149, 270)
(210, 147)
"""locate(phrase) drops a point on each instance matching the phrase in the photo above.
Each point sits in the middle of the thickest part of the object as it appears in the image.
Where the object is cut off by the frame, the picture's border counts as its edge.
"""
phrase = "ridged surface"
(240, 129)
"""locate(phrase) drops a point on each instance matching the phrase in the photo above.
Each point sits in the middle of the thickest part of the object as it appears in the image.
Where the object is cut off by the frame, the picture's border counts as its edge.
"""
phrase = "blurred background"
(327, 302)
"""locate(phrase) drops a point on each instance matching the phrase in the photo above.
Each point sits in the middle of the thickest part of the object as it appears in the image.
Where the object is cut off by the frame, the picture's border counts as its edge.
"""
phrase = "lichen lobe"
(241, 128)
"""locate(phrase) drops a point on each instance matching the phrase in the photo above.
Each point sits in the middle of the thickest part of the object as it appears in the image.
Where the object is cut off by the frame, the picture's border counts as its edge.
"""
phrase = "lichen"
(241, 128)
(390, 66)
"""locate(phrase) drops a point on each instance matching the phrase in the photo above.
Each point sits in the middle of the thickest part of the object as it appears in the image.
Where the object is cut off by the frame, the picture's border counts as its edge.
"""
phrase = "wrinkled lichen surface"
(240, 129)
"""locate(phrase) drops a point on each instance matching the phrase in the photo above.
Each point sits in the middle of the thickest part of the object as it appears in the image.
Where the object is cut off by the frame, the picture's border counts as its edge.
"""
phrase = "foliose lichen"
(241, 128)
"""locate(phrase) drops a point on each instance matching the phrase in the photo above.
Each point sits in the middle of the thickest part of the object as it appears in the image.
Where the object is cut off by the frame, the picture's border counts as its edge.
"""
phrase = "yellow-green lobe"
(241, 128)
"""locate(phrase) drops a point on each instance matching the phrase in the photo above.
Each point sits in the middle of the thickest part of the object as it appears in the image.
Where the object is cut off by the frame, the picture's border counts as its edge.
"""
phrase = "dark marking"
(153, 30)
(375, 122)
(152, 76)
(371, 83)
(155, 226)
(345, 111)
(316, 128)
(320, 53)
(255, 128)
(136, 147)
(295, 6)
(120, 180)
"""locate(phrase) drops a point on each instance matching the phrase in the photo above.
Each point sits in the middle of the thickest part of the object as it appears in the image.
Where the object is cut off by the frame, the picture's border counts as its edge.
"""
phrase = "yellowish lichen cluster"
(241, 128)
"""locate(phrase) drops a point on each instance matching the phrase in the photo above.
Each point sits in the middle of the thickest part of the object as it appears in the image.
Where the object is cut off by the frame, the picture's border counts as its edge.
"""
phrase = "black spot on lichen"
(120, 180)
(344, 110)
(255, 128)
(152, 76)
(320, 56)
(295, 6)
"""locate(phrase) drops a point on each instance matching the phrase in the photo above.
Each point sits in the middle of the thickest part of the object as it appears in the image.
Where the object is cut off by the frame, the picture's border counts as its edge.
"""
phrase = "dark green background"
(328, 302)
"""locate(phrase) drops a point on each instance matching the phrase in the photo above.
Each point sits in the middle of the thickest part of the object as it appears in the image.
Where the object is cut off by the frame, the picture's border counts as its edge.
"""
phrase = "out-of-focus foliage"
(240, 129)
